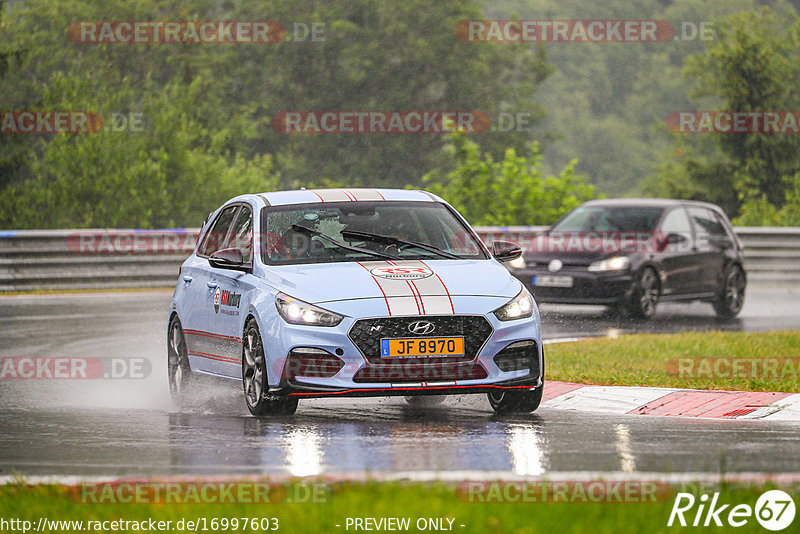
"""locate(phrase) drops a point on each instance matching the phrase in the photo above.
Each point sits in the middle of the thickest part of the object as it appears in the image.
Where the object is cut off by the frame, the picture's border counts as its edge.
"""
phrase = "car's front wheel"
(645, 295)
(506, 401)
(254, 378)
(730, 300)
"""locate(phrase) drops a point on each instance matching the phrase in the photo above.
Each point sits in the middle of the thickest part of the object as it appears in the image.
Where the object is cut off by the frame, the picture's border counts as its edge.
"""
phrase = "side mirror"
(229, 258)
(676, 239)
(505, 251)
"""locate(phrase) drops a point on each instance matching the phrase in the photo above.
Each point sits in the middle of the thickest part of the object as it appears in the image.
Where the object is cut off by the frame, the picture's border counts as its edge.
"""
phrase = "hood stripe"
(449, 298)
(388, 307)
(423, 296)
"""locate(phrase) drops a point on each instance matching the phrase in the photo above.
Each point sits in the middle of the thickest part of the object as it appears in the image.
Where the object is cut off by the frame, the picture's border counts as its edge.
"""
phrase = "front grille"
(366, 334)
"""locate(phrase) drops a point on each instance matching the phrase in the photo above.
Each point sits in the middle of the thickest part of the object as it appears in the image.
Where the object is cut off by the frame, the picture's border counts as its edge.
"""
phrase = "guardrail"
(96, 259)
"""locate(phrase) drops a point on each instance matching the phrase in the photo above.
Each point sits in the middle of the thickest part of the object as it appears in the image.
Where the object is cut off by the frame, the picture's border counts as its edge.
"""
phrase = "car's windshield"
(348, 231)
(609, 219)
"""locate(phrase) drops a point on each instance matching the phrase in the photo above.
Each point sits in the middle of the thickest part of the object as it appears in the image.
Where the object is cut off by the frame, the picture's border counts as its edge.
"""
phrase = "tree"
(511, 191)
(752, 65)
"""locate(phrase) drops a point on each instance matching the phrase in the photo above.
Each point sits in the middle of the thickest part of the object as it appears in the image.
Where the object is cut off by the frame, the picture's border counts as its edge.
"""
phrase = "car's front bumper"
(362, 374)
(587, 287)
(301, 390)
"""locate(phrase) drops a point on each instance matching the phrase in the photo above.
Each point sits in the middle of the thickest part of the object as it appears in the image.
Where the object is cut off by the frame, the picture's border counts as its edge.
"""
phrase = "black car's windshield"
(609, 219)
(315, 233)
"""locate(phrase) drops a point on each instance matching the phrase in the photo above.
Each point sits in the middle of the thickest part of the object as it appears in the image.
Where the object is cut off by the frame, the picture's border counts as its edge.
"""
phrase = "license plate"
(552, 281)
(424, 347)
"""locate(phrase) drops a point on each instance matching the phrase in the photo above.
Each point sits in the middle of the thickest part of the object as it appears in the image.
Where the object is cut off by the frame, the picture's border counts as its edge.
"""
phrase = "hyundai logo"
(420, 328)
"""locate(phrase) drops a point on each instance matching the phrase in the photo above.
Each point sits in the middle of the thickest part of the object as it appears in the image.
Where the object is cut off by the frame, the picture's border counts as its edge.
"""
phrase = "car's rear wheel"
(730, 300)
(645, 295)
(254, 378)
(179, 373)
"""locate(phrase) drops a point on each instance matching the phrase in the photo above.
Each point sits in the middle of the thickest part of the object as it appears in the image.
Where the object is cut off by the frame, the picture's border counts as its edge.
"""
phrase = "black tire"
(254, 378)
(644, 299)
(424, 401)
(730, 299)
(179, 372)
(505, 401)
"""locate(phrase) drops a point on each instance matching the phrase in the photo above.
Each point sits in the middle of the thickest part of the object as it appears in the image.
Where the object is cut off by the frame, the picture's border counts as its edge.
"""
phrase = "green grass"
(653, 360)
(374, 499)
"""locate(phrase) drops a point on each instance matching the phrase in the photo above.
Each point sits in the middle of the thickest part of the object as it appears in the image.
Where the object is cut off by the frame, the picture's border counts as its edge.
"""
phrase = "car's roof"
(304, 196)
(644, 202)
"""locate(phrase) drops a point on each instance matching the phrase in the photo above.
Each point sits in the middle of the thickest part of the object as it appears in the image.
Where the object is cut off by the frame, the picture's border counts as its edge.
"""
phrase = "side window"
(706, 223)
(215, 238)
(242, 235)
(677, 222)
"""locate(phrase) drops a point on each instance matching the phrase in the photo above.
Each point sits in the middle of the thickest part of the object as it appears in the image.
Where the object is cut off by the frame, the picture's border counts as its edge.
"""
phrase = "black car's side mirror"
(505, 251)
(675, 239)
(229, 258)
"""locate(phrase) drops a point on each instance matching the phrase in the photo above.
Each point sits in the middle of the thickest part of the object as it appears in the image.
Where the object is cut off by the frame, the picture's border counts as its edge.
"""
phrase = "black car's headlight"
(296, 311)
(520, 307)
(518, 263)
(616, 263)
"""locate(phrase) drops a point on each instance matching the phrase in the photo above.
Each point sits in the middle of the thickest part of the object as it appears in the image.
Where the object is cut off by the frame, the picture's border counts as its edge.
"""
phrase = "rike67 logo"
(774, 510)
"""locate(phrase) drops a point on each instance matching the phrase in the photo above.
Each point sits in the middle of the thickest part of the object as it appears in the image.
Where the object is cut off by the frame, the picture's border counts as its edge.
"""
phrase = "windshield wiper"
(397, 241)
(315, 233)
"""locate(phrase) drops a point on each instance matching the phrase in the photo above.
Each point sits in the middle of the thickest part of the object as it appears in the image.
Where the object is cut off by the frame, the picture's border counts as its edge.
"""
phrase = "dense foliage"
(596, 110)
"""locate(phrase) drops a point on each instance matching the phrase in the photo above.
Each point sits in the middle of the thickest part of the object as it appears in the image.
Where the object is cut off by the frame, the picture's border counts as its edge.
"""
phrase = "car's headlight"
(518, 263)
(296, 311)
(617, 263)
(519, 307)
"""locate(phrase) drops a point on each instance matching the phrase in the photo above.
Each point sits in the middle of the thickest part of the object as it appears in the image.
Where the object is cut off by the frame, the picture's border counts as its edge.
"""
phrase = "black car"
(633, 253)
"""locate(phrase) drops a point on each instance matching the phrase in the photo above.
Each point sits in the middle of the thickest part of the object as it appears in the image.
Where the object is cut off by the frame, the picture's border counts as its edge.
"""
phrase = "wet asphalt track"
(123, 427)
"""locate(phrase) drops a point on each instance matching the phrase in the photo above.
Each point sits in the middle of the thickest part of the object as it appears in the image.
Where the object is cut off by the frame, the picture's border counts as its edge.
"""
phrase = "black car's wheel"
(730, 300)
(179, 373)
(254, 378)
(645, 295)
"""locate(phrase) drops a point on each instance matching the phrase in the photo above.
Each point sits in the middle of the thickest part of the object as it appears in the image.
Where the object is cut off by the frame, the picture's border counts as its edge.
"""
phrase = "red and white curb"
(671, 402)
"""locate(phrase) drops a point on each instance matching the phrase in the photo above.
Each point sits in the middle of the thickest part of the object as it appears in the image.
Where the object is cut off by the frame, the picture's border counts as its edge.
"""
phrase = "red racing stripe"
(388, 308)
(216, 357)
(211, 335)
(443, 285)
(416, 292)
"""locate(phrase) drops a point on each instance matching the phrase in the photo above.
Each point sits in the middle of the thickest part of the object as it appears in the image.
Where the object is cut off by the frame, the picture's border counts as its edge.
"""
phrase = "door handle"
(187, 279)
(212, 285)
